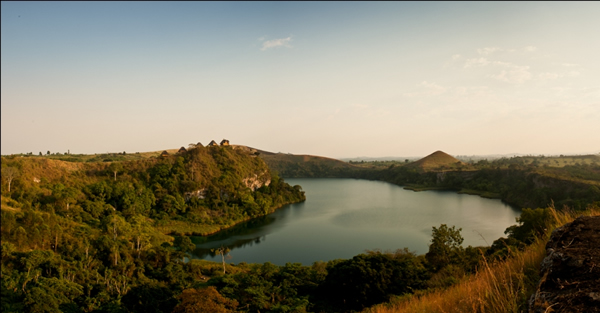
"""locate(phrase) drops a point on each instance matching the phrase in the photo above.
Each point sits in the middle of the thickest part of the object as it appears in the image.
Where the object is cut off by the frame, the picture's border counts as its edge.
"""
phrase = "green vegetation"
(500, 284)
(98, 157)
(108, 236)
(93, 236)
(572, 181)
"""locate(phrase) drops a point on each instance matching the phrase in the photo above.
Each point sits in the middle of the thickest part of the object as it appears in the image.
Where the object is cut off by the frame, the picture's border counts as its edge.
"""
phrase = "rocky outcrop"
(570, 272)
(256, 181)
(200, 194)
(253, 182)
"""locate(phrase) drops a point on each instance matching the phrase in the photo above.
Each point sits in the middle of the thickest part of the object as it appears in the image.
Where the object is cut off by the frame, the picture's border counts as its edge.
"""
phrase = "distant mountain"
(437, 160)
(388, 158)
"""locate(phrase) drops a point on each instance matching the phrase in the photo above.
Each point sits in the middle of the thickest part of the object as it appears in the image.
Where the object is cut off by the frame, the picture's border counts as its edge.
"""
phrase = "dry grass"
(500, 287)
(439, 161)
(9, 205)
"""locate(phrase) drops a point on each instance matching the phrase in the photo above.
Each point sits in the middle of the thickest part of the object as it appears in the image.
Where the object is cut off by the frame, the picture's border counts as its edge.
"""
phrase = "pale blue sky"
(338, 79)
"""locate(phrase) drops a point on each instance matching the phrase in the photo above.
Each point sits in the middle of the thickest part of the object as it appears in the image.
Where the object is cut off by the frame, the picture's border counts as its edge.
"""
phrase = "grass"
(500, 287)
(484, 194)
(415, 187)
(97, 157)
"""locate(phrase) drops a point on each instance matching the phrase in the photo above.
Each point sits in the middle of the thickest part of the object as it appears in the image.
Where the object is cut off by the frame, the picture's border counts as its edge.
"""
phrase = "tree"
(532, 222)
(185, 244)
(115, 167)
(141, 231)
(445, 247)
(150, 297)
(116, 225)
(9, 173)
(204, 300)
(222, 251)
(20, 236)
(50, 294)
(65, 195)
(371, 278)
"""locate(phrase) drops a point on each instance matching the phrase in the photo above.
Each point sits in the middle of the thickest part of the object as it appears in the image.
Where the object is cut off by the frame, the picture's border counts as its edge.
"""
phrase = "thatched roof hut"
(182, 150)
(164, 153)
(224, 142)
(212, 143)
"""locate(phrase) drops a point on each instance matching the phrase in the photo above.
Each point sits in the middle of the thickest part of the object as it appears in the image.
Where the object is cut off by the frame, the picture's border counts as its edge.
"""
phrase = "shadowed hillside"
(301, 166)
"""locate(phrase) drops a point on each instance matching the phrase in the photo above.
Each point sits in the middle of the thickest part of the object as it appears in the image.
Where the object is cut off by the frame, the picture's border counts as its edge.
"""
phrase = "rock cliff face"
(570, 272)
(253, 182)
(257, 180)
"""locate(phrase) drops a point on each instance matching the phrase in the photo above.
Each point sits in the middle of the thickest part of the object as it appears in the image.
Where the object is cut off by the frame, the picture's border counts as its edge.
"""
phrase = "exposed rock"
(570, 272)
(200, 194)
(257, 181)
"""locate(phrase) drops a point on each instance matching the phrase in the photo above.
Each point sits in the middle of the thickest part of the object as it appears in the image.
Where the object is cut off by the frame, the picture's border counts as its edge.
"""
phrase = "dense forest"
(99, 235)
(78, 236)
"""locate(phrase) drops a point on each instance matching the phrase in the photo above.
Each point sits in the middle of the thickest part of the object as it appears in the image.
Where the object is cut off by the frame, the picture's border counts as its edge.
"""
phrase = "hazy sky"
(338, 79)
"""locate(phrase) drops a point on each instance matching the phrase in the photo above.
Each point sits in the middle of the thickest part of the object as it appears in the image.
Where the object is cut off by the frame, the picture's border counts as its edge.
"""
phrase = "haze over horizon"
(335, 79)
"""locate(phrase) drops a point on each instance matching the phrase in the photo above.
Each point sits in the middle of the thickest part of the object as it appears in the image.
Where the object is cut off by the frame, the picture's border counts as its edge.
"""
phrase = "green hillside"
(199, 191)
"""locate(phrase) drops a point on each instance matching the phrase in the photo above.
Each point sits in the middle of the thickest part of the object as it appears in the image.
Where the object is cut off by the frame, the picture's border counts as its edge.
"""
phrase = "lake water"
(344, 217)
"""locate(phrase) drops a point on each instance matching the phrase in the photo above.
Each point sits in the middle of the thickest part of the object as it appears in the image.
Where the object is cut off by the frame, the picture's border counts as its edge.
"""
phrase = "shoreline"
(220, 227)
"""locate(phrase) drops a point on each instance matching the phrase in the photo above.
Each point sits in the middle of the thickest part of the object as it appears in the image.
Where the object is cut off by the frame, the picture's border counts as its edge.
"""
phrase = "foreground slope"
(570, 272)
(507, 285)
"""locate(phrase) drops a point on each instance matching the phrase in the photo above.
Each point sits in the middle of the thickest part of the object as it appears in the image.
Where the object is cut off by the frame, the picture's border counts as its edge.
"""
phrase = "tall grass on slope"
(500, 287)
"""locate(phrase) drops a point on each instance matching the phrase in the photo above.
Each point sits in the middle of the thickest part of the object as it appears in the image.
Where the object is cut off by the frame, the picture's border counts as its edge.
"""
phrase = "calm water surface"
(344, 217)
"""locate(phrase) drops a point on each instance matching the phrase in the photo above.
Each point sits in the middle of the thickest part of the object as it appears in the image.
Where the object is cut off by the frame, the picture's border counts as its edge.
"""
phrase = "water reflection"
(204, 251)
(246, 234)
(343, 217)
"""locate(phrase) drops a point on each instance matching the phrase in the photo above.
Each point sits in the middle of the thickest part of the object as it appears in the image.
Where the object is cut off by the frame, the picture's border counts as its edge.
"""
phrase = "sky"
(336, 79)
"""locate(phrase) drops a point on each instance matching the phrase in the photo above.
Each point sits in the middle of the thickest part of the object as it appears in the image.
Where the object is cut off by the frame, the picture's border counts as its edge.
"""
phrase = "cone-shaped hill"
(438, 160)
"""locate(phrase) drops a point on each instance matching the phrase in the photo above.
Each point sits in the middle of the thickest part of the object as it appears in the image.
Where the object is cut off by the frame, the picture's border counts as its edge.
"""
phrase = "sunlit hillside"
(499, 287)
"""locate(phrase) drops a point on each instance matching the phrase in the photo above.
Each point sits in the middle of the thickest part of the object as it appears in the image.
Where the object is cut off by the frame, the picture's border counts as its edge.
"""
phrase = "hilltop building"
(182, 150)
(224, 142)
(164, 154)
(212, 143)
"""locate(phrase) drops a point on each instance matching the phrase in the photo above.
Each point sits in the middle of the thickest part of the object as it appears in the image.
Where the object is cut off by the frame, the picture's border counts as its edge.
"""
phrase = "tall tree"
(115, 167)
(222, 251)
(9, 173)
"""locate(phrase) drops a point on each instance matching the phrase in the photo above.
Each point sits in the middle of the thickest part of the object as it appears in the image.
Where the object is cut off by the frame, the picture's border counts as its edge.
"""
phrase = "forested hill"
(199, 190)
(94, 236)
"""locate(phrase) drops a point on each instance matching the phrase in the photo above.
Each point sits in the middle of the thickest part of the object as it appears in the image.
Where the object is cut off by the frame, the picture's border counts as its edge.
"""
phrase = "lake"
(344, 217)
